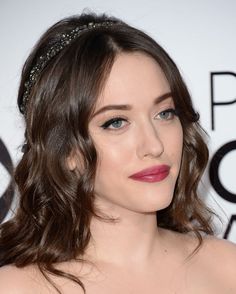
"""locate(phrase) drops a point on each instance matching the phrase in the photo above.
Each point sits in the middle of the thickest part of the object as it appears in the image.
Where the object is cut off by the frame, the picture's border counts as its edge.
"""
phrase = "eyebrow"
(156, 101)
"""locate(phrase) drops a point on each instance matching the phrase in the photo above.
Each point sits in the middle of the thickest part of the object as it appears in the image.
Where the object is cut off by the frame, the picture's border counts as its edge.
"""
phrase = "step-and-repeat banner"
(199, 36)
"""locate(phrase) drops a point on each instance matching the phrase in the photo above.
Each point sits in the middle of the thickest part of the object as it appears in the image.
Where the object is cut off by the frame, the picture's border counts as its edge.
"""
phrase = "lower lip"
(152, 178)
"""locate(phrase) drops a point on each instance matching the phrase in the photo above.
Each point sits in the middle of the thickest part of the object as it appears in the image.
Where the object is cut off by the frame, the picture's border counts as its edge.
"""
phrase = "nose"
(149, 141)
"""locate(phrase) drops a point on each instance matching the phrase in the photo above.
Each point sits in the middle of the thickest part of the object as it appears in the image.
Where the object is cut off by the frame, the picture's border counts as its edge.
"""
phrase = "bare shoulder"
(220, 245)
(212, 253)
(29, 279)
(212, 247)
(14, 280)
(213, 266)
(217, 251)
(216, 260)
(221, 252)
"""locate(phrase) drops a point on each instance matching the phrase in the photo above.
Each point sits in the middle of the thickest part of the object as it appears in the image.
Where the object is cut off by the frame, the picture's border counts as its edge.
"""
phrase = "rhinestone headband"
(64, 41)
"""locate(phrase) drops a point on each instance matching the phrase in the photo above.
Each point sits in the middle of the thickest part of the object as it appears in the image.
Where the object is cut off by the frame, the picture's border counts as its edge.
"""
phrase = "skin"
(134, 255)
(146, 136)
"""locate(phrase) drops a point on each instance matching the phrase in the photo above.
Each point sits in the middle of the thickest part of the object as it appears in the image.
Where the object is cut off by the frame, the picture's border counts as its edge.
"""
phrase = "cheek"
(174, 143)
(111, 169)
(113, 155)
(113, 148)
(179, 146)
(178, 140)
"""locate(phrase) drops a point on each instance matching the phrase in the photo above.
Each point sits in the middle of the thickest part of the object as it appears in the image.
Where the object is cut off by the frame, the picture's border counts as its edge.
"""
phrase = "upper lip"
(153, 170)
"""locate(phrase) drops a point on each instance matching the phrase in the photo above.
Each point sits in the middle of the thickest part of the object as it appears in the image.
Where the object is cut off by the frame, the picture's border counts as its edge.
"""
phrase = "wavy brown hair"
(52, 222)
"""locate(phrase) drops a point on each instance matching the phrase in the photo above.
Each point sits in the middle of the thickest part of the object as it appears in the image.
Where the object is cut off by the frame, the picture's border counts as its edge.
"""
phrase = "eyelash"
(116, 119)
(111, 121)
(171, 111)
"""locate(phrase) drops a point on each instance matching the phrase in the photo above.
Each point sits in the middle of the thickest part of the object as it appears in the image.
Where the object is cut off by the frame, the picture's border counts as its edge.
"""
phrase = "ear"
(74, 160)
(71, 162)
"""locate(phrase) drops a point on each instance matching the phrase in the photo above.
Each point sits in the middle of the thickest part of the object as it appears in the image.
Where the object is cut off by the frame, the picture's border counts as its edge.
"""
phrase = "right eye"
(167, 114)
(114, 123)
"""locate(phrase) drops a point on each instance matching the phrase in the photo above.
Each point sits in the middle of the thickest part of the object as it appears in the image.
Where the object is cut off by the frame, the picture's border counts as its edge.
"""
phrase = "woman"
(108, 180)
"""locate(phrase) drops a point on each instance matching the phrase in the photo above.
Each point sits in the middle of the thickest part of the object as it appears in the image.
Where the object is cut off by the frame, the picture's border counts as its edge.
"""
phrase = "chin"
(153, 205)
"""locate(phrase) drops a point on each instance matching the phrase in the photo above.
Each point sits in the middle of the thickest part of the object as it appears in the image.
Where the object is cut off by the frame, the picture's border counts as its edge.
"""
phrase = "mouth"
(153, 174)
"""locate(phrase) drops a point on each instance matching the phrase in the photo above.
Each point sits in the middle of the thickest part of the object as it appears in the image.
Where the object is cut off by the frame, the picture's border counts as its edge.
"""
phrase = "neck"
(133, 239)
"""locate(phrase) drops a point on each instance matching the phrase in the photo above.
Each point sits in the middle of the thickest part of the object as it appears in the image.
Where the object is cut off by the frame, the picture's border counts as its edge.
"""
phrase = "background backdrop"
(198, 35)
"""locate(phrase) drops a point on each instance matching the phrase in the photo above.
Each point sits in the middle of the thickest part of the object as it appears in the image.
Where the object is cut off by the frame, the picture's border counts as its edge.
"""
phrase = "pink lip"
(153, 174)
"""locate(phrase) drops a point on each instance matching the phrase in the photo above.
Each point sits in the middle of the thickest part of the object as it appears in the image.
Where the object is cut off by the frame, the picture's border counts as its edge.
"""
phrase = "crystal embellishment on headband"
(43, 60)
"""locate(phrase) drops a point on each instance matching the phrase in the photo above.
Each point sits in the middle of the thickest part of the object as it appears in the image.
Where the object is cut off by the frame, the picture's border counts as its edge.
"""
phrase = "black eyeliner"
(110, 121)
(171, 110)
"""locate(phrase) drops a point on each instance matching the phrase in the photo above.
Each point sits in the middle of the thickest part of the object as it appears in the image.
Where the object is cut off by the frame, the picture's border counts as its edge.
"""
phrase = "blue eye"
(116, 123)
(167, 114)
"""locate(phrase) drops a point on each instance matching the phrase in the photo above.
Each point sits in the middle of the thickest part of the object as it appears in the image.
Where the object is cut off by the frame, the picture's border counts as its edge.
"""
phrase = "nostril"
(151, 145)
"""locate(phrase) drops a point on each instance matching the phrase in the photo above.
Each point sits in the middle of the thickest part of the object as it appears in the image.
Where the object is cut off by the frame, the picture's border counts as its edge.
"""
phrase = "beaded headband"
(64, 41)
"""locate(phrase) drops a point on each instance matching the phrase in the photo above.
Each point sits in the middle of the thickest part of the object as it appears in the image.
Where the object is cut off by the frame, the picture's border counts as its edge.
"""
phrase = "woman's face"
(137, 130)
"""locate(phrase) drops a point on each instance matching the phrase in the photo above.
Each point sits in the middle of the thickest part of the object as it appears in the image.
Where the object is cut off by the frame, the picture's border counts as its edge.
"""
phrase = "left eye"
(116, 123)
(167, 114)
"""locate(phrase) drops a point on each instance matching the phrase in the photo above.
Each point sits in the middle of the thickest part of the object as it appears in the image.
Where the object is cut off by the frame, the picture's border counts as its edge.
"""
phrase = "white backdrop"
(198, 35)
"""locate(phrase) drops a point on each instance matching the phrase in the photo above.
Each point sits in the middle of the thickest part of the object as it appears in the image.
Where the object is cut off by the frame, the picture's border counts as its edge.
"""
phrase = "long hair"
(52, 222)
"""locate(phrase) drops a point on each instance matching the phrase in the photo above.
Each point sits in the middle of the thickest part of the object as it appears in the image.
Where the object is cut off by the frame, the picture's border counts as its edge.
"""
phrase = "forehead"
(134, 77)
